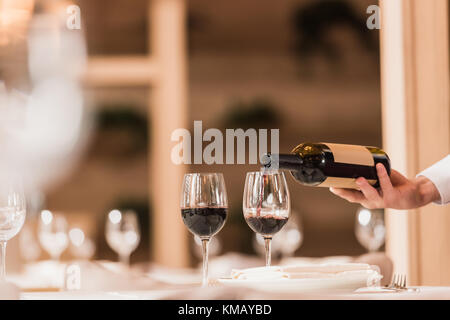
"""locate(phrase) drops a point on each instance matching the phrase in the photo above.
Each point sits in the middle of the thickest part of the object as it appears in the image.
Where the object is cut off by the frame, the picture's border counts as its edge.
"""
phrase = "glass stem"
(205, 247)
(55, 257)
(267, 245)
(125, 259)
(3, 261)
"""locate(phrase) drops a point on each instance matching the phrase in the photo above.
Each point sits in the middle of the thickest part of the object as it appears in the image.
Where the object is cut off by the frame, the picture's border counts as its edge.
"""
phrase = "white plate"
(300, 285)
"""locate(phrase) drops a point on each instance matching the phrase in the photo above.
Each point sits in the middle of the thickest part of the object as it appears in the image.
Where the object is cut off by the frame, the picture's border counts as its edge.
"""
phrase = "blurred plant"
(312, 23)
(114, 120)
(259, 113)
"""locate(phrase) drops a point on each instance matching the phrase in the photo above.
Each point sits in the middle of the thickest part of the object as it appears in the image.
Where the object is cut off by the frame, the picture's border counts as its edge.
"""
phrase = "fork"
(398, 283)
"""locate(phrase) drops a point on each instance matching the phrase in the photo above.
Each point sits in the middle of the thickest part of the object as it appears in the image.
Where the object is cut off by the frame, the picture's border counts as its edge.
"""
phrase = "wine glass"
(53, 234)
(204, 208)
(12, 218)
(81, 246)
(266, 205)
(123, 234)
(369, 228)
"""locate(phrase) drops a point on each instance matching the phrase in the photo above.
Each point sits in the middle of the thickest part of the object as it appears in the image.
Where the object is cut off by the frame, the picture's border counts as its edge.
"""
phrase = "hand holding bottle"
(396, 191)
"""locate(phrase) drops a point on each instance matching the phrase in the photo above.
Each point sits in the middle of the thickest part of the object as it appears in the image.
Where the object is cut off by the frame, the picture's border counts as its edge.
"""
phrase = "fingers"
(385, 180)
(368, 191)
(349, 195)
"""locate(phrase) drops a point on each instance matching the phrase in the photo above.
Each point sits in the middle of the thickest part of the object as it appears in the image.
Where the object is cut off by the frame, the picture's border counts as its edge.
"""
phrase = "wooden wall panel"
(416, 128)
(432, 127)
(168, 108)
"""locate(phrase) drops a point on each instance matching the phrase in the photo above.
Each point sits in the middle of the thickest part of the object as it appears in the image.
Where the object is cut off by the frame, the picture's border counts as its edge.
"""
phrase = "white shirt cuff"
(439, 174)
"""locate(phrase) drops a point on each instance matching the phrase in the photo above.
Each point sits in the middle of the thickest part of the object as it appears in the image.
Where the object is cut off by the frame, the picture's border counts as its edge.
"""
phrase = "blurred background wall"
(310, 68)
(245, 60)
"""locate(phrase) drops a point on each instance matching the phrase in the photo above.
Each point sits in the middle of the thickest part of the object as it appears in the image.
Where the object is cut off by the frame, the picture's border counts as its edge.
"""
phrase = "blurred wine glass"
(52, 232)
(43, 125)
(81, 247)
(369, 228)
(12, 218)
(122, 233)
(287, 241)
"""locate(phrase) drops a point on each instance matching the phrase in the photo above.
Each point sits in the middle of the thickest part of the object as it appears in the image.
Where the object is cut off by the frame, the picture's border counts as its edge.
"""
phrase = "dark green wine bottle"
(330, 164)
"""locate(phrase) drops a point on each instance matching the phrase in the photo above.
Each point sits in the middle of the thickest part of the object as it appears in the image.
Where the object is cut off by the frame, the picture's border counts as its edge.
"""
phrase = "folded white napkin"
(310, 271)
(42, 275)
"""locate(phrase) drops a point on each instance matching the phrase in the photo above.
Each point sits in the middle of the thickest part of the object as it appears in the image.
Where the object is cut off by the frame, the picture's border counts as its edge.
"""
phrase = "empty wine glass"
(204, 208)
(12, 217)
(266, 205)
(369, 228)
(53, 234)
(122, 233)
(81, 246)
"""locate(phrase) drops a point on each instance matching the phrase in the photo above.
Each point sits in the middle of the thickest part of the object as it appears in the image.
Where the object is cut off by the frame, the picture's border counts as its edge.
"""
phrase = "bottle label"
(348, 183)
(345, 153)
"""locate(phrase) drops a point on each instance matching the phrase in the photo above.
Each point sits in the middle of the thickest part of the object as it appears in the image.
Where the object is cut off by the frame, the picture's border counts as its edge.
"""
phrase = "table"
(195, 293)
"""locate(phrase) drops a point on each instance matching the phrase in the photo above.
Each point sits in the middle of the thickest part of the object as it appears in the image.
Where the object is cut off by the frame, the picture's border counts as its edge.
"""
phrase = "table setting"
(266, 208)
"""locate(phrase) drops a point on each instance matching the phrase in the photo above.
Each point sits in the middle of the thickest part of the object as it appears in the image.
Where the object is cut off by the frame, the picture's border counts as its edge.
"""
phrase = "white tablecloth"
(432, 293)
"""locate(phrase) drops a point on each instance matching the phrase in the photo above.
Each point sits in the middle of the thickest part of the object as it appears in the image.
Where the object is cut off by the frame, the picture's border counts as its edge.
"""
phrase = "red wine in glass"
(204, 221)
(266, 225)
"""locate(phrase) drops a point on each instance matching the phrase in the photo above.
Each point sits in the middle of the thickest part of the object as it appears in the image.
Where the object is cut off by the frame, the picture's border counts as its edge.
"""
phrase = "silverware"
(398, 283)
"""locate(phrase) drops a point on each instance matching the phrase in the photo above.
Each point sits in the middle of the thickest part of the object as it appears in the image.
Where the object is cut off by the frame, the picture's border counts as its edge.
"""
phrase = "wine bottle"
(330, 164)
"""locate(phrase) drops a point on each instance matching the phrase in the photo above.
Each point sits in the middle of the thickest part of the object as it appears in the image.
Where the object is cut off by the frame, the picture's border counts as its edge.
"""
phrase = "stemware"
(12, 218)
(52, 233)
(266, 205)
(204, 208)
(81, 246)
(122, 233)
(369, 228)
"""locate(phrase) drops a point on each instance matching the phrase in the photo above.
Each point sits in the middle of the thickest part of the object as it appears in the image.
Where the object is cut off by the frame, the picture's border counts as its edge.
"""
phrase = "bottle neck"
(282, 161)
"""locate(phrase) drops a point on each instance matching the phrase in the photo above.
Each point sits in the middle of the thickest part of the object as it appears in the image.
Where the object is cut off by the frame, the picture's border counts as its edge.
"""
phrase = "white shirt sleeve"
(439, 174)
